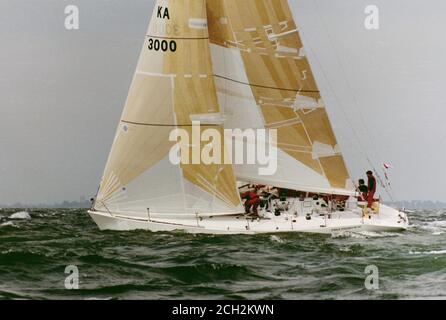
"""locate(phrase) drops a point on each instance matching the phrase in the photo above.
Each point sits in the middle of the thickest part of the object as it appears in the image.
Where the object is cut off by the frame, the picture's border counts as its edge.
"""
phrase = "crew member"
(363, 189)
(252, 201)
(371, 186)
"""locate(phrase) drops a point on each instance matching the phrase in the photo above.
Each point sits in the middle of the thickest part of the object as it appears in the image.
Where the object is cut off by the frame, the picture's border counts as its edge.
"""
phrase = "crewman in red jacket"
(252, 201)
(372, 189)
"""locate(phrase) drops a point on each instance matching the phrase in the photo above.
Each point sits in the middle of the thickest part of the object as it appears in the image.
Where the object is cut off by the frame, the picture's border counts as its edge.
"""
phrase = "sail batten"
(266, 87)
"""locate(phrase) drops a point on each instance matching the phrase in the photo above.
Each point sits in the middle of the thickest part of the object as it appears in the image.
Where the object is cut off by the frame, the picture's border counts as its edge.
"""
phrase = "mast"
(173, 83)
(264, 80)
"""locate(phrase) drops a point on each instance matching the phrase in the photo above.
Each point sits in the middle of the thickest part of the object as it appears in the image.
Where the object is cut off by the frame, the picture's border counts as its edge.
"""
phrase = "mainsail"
(173, 83)
(264, 80)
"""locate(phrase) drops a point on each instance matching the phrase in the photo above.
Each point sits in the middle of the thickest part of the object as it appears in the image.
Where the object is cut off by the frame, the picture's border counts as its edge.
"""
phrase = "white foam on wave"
(440, 224)
(435, 252)
(7, 224)
(277, 239)
(362, 234)
(434, 227)
(22, 215)
(347, 234)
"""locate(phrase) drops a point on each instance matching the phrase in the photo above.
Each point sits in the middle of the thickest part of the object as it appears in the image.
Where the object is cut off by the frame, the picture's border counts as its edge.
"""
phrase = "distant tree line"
(62, 205)
(418, 204)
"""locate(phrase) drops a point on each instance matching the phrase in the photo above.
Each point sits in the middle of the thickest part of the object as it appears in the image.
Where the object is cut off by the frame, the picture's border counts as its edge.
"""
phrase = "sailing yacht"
(233, 65)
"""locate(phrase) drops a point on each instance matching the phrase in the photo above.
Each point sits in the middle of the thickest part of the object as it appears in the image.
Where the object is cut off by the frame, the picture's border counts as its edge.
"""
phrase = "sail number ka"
(163, 45)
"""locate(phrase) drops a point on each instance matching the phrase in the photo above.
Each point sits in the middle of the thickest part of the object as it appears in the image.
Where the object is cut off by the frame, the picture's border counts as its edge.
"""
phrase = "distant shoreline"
(62, 205)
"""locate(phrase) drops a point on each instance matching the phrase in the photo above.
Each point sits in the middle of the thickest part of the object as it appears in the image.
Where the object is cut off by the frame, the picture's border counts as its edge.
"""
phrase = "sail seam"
(168, 125)
(175, 38)
(265, 87)
(154, 74)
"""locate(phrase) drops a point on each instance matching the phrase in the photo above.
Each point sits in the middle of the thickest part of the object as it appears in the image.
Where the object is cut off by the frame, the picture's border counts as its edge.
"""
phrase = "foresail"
(264, 80)
(173, 83)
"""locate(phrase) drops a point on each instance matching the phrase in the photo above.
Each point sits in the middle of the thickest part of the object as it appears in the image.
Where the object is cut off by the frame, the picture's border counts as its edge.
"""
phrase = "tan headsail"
(261, 37)
(173, 82)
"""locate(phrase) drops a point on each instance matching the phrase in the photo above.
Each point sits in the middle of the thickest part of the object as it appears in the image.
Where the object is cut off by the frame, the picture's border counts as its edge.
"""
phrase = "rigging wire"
(355, 101)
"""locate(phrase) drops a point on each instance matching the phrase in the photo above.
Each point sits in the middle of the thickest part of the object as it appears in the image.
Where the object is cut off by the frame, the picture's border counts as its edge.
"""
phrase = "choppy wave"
(8, 224)
(434, 227)
(363, 234)
(34, 255)
(21, 215)
(277, 239)
(429, 252)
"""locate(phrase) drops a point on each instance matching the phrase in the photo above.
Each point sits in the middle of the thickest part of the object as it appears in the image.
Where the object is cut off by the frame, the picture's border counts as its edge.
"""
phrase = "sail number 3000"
(163, 45)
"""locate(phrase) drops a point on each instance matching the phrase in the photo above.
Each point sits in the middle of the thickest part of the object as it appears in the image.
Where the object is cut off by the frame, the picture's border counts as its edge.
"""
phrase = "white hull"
(349, 221)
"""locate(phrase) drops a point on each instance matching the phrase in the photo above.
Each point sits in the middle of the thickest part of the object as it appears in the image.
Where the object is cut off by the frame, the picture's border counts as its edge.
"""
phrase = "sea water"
(36, 253)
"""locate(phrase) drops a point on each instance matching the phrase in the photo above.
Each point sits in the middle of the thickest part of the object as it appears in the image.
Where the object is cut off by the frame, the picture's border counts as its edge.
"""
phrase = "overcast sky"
(62, 92)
